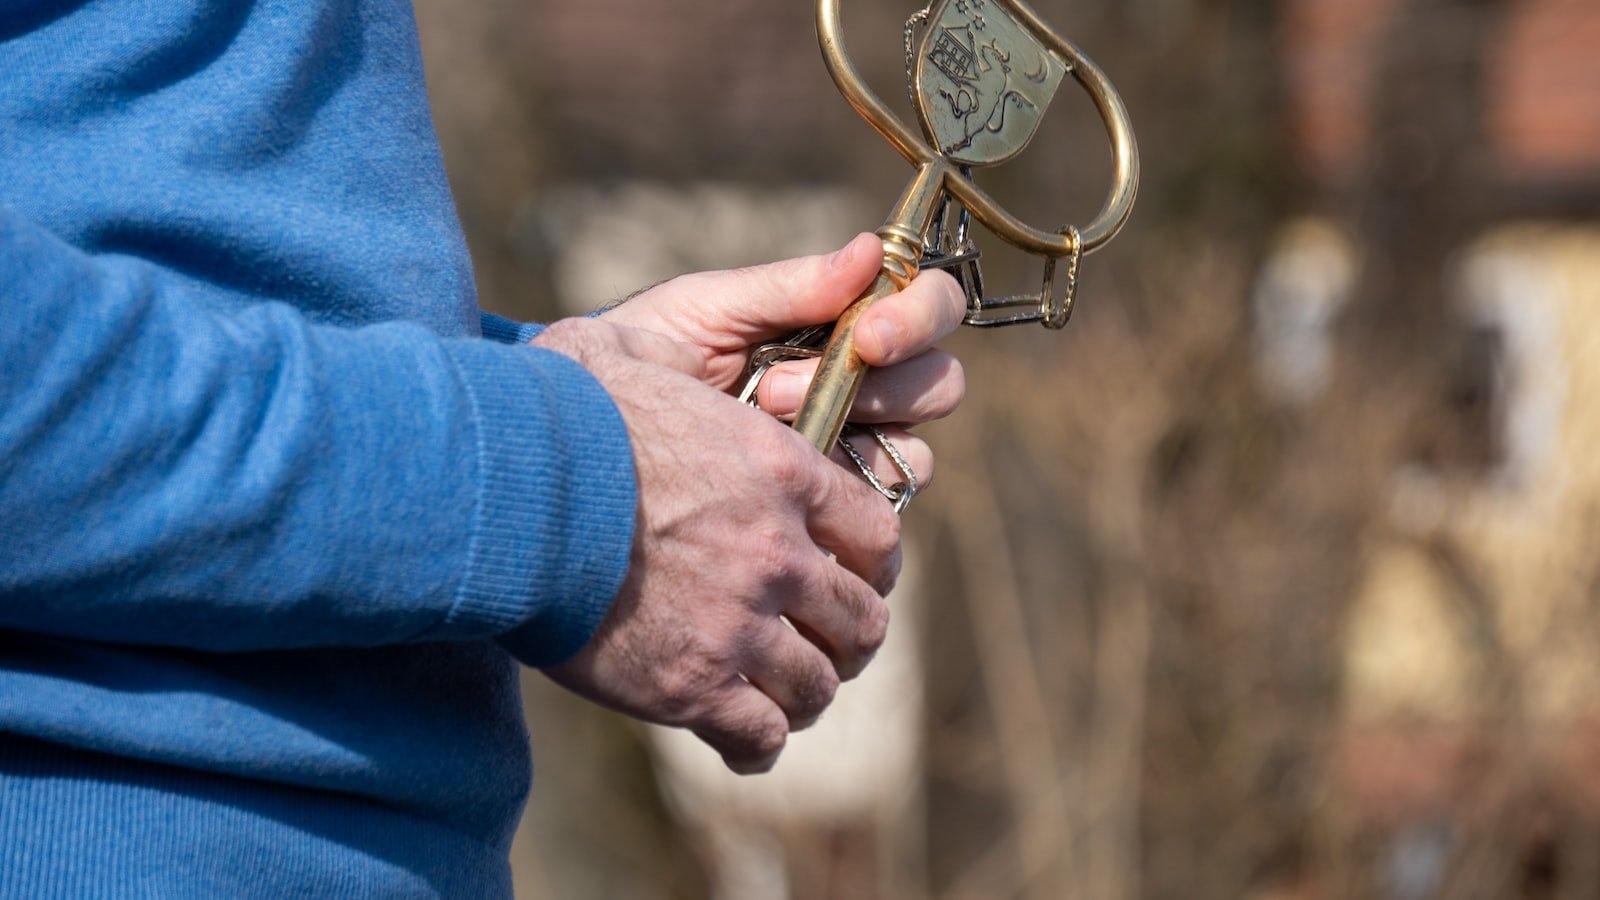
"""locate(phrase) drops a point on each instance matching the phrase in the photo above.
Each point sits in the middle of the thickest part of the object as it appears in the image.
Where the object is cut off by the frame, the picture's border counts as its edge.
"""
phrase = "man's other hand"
(733, 620)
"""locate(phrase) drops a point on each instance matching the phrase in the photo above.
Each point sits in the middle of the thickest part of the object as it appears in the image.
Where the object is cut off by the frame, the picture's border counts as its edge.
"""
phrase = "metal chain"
(917, 18)
(808, 344)
(804, 344)
(1057, 314)
(946, 248)
(900, 493)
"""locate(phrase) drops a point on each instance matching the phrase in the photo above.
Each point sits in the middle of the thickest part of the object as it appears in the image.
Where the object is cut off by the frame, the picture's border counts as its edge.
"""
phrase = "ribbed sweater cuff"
(556, 501)
(507, 331)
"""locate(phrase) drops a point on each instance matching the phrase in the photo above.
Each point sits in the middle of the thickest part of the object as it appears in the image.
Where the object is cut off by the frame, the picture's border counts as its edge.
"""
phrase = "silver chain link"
(917, 18)
(901, 492)
(808, 344)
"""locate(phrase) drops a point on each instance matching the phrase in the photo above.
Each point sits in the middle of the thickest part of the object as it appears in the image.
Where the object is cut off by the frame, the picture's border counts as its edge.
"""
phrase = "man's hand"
(737, 516)
(724, 314)
(734, 621)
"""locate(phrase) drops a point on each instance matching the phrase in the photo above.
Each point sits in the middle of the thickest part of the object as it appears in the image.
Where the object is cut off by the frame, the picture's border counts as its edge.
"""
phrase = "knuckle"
(951, 287)
(768, 740)
(783, 465)
(749, 748)
(816, 697)
(683, 684)
(953, 297)
(955, 388)
(772, 555)
(677, 702)
(789, 469)
(890, 575)
(874, 629)
(673, 706)
(886, 537)
(825, 690)
(920, 457)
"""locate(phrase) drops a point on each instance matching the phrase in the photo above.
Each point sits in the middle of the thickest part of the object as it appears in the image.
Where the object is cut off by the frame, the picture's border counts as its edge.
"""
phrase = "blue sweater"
(276, 520)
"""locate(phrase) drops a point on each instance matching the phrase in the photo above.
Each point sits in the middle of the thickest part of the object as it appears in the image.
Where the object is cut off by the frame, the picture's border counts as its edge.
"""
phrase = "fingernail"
(785, 389)
(883, 334)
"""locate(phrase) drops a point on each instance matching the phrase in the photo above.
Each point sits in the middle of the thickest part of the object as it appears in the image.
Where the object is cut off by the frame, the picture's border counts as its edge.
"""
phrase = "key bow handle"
(958, 49)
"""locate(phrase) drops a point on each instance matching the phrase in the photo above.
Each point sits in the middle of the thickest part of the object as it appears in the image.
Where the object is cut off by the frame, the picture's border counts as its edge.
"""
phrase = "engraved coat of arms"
(982, 82)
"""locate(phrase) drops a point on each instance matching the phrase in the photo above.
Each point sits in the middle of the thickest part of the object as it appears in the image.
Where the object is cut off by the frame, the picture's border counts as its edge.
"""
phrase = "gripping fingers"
(926, 387)
(843, 615)
(849, 519)
(746, 727)
(913, 449)
(794, 672)
(848, 628)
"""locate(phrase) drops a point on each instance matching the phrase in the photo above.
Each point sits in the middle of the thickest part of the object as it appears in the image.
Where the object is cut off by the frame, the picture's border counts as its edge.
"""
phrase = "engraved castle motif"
(981, 77)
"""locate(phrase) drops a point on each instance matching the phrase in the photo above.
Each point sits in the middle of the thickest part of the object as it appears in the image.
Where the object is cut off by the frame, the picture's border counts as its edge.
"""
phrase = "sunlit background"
(1273, 576)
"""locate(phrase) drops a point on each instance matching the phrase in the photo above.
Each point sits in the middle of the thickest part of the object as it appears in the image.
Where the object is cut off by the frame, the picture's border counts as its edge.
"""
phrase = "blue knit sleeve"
(507, 331)
(176, 474)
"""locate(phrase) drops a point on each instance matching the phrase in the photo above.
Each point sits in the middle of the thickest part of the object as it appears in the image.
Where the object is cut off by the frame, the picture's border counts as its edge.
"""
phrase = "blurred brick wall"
(1544, 84)
(1541, 76)
(1330, 48)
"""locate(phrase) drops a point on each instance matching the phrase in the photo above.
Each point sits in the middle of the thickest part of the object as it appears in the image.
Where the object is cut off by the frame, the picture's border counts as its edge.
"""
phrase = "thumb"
(752, 304)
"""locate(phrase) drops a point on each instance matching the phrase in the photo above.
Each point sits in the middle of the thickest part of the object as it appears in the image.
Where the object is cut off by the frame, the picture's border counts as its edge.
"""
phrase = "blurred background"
(1273, 576)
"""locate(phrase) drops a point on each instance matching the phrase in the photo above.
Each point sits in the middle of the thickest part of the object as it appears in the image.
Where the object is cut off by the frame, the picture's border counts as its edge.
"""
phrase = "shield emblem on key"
(982, 81)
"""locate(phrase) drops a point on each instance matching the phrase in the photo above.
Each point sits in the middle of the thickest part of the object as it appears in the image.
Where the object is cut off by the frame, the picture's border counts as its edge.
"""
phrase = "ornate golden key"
(982, 73)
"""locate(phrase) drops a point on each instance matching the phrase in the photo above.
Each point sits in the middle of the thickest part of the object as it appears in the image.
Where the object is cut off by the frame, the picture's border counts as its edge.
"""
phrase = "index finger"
(904, 324)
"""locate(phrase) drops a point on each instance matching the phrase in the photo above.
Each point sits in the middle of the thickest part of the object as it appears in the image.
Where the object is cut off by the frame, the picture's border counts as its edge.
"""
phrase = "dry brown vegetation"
(1145, 569)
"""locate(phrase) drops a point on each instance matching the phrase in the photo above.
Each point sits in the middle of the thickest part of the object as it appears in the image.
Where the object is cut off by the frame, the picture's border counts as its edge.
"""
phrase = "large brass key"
(982, 74)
